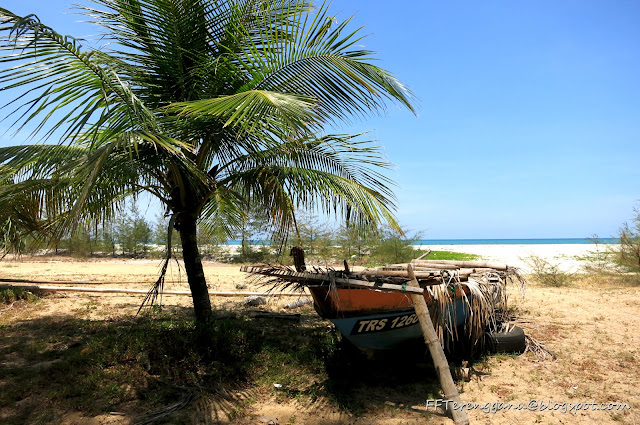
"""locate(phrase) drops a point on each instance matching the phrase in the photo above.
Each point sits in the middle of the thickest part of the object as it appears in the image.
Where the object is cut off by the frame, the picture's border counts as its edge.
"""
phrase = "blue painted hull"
(390, 330)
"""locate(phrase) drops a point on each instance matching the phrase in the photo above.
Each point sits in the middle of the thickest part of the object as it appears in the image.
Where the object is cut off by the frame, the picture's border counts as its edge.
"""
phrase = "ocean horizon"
(532, 241)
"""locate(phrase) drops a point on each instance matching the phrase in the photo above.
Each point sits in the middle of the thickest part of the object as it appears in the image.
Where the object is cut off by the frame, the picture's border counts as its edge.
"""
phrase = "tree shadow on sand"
(57, 365)
(150, 367)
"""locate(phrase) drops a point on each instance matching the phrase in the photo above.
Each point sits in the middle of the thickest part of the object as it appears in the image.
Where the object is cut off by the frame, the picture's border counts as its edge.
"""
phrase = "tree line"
(130, 234)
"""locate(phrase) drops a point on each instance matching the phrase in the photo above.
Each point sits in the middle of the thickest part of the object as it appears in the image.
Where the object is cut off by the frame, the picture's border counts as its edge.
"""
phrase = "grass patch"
(95, 367)
(415, 253)
(11, 295)
(608, 279)
(450, 255)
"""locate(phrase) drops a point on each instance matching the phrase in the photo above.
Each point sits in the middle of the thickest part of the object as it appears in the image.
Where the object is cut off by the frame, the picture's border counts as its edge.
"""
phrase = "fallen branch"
(279, 316)
(8, 308)
(538, 349)
(59, 282)
(159, 414)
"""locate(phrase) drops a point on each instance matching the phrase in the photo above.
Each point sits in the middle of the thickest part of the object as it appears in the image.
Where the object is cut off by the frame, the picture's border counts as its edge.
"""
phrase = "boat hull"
(375, 319)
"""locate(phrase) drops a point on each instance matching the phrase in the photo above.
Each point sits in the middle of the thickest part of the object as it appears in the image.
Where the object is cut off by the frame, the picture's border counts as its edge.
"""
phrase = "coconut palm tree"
(204, 104)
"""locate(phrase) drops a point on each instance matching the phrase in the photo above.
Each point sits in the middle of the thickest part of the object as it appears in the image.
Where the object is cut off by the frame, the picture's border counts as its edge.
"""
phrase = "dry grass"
(607, 280)
(46, 376)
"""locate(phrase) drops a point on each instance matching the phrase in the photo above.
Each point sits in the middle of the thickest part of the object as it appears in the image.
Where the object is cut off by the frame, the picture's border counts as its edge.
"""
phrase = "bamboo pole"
(462, 264)
(86, 282)
(36, 288)
(419, 275)
(433, 266)
(437, 353)
(399, 273)
(59, 282)
(424, 255)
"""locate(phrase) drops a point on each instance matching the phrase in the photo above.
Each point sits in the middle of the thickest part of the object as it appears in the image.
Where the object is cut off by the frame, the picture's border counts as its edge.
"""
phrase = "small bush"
(627, 254)
(392, 246)
(11, 295)
(600, 260)
(547, 273)
(251, 254)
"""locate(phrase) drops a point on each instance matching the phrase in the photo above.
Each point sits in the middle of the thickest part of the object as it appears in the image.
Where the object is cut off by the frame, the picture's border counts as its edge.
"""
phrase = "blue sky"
(528, 114)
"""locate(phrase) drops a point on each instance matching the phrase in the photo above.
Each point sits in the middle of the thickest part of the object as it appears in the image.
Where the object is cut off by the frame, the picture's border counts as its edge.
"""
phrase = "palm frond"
(329, 172)
(222, 213)
(253, 110)
(62, 82)
(74, 183)
(320, 61)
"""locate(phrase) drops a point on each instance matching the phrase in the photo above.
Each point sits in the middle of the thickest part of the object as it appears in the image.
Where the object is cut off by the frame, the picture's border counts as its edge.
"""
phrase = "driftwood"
(437, 354)
(37, 288)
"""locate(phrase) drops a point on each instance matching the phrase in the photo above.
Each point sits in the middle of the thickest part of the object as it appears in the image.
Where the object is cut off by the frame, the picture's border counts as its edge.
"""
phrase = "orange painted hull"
(345, 302)
(376, 319)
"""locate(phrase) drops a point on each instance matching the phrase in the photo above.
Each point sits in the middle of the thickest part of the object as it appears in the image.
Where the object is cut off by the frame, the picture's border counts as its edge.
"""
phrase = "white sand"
(566, 256)
(563, 255)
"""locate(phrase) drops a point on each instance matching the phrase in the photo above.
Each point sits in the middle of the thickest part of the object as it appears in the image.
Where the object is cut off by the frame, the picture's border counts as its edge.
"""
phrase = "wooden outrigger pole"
(437, 353)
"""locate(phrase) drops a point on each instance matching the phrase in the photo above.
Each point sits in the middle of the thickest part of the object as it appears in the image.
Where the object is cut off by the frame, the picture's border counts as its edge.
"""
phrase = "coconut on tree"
(204, 104)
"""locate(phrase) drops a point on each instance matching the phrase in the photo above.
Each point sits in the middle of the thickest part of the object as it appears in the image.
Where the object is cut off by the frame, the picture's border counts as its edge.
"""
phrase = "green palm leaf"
(254, 110)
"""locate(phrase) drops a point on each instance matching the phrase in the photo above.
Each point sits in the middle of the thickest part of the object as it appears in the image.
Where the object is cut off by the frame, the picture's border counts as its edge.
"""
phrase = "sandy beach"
(568, 257)
(594, 341)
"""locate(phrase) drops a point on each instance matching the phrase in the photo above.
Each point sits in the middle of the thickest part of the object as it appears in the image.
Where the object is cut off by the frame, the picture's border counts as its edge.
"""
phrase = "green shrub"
(627, 254)
(392, 246)
(599, 260)
(11, 295)
(547, 273)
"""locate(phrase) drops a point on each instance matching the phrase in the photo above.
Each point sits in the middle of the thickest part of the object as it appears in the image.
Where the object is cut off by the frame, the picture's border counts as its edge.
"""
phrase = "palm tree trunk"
(193, 267)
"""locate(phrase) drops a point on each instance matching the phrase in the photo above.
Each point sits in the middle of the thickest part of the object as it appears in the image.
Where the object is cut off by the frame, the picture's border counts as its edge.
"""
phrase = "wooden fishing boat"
(373, 309)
